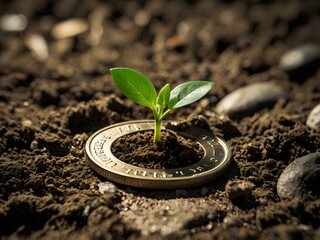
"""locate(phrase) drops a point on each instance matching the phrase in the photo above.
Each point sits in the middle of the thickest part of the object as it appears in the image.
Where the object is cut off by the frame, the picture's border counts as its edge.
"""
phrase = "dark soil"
(48, 109)
(173, 151)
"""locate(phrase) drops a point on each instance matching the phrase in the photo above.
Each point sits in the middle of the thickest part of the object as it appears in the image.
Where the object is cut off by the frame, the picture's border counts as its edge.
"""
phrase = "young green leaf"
(188, 92)
(140, 89)
(164, 95)
(135, 86)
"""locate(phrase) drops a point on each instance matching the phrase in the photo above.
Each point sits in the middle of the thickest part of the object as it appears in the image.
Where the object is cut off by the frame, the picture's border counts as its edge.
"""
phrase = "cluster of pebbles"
(300, 176)
(60, 34)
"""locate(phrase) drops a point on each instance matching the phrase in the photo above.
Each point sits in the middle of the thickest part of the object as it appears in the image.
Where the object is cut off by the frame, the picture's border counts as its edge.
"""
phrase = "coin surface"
(215, 161)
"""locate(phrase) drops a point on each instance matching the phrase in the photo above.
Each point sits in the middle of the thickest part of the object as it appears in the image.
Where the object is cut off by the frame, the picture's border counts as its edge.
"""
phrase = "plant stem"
(158, 116)
(157, 131)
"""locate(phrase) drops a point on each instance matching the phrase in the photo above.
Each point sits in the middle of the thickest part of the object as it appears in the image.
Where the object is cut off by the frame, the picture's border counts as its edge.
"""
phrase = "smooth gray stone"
(69, 28)
(107, 187)
(13, 22)
(250, 99)
(313, 120)
(300, 177)
(302, 61)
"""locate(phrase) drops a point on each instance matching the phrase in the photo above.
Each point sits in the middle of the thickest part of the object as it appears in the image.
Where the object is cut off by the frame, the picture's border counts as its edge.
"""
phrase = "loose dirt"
(48, 109)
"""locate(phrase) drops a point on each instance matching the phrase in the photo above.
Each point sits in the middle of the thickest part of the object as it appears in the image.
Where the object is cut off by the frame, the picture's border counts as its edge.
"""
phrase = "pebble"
(300, 177)
(142, 18)
(13, 22)
(250, 99)
(107, 187)
(232, 221)
(96, 20)
(184, 28)
(69, 28)
(302, 61)
(26, 123)
(86, 211)
(313, 120)
(38, 46)
(34, 145)
(238, 188)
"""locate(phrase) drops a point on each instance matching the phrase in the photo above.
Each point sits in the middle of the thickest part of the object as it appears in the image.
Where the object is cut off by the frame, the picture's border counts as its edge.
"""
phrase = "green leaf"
(164, 95)
(135, 86)
(188, 92)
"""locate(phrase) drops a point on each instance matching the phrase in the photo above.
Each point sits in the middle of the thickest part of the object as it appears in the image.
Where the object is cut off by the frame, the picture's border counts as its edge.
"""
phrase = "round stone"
(300, 177)
(107, 187)
(250, 99)
(313, 120)
(13, 22)
(69, 28)
(38, 46)
(302, 61)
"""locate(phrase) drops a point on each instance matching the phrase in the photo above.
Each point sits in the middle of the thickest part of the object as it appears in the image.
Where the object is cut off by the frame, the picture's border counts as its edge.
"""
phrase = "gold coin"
(215, 161)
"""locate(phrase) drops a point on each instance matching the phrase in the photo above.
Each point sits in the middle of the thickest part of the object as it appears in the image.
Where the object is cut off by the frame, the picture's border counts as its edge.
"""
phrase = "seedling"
(140, 89)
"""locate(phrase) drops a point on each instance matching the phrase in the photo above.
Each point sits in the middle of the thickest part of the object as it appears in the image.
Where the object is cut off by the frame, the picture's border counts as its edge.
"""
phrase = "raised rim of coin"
(216, 159)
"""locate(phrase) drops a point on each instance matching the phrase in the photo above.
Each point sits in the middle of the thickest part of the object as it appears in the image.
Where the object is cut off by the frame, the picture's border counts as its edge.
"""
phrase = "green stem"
(158, 116)
(157, 131)
(165, 114)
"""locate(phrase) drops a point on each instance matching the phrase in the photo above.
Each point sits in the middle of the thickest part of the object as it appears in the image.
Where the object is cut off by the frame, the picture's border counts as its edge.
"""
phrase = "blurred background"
(76, 42)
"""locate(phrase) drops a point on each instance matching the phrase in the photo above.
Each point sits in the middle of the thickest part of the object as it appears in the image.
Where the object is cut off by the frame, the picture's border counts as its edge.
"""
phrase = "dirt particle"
(173, 151)
(239, 188)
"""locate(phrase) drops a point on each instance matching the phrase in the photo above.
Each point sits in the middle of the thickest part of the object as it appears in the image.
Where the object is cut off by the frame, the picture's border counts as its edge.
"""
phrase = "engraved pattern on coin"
(216, 159)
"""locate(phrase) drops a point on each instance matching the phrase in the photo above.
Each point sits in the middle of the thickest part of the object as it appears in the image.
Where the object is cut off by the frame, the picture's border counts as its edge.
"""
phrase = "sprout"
(140, 89)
